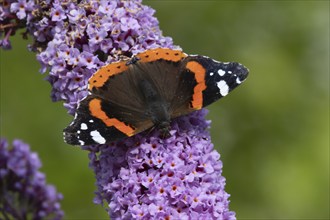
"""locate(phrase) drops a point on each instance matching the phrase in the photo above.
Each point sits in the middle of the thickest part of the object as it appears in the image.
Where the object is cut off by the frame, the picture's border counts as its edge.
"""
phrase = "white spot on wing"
(83, 126)
(238, 81)
(223, 87)
(91, 121)
(221, 72)
(97, 137)
(81, 142)
(211, 73)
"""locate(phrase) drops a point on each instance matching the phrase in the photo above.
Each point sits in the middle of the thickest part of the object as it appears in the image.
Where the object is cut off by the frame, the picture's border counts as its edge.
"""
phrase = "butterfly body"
(149, 90)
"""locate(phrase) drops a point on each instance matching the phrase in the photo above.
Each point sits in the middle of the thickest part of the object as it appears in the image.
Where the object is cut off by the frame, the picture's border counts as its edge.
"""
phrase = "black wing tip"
(240, 70)
(71, 137)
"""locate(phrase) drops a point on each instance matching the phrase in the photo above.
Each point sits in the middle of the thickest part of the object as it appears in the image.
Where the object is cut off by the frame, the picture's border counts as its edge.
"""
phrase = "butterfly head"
(164, 129)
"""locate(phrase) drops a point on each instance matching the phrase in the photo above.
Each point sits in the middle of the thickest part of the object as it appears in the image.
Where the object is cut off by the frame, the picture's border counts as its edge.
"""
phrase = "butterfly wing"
(163, 68)
(98, 121)
(207, 80)
(188, 83)
(114, 109)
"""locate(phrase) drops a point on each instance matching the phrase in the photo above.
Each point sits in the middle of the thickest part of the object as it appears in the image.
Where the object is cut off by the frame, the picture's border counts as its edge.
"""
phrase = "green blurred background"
(272, 132)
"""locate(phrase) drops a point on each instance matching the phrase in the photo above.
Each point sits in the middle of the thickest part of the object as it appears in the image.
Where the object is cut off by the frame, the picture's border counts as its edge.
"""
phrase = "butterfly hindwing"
(164, 69)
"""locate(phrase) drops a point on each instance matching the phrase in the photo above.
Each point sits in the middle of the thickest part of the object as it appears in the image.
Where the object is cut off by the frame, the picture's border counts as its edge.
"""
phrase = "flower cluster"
(74, 39)
(149, 178)
(24, 193)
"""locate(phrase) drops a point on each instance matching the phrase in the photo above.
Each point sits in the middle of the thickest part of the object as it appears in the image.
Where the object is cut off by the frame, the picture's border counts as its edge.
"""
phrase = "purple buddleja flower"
(145, 177)
(142, 177)
(24, 193)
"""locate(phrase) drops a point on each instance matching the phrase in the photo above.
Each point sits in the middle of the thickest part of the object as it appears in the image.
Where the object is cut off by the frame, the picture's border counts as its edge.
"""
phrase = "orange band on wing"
(161, 53)
(103, 74)
(199, 71)
(96, 110)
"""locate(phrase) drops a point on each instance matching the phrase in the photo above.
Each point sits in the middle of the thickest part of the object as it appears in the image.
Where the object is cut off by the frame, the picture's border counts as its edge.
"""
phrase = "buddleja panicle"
(146, 177)
(24, 193)
(143, 177)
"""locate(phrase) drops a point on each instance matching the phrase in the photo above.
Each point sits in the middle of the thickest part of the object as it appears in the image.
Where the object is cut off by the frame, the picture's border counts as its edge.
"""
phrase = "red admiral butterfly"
(149, 90)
